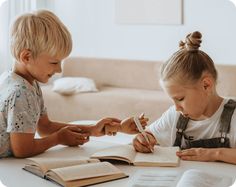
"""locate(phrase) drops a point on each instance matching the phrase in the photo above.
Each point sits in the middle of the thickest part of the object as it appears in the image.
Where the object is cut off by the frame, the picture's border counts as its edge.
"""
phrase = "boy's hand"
(106, 126)
(72, 136)
(141, 145)
(128, 125)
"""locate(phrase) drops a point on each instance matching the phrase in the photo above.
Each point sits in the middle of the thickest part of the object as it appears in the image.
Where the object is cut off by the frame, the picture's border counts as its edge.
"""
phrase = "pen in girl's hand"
(141, 130)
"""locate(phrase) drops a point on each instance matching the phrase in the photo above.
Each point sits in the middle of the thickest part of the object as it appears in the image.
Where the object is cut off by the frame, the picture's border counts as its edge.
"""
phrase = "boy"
(39, 42)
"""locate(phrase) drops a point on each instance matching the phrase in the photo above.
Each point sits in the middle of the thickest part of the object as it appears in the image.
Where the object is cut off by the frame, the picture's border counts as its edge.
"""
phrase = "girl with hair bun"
(201, 122)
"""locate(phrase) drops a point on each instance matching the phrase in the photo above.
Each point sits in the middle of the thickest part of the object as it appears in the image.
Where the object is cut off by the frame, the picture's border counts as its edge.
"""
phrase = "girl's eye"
(181, 99)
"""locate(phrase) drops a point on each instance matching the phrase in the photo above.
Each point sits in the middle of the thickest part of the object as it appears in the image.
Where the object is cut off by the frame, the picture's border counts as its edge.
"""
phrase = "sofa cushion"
(73, 85)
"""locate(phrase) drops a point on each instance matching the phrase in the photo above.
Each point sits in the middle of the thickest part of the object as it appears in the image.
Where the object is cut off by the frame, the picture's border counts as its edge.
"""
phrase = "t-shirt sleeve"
(163, 129)
(43, 109)
(23, 112)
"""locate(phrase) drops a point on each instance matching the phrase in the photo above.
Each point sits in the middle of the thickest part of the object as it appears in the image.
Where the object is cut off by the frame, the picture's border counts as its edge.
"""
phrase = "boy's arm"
(209, 154)
(25, 145)
(46, 127)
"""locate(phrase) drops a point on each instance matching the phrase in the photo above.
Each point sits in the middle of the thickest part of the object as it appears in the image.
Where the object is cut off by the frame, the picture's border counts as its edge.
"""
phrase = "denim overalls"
(222, 141)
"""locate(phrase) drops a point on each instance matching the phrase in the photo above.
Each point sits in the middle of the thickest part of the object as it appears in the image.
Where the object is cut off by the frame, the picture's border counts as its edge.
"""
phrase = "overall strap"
(225, 118)
(225, 122)
(181, 126)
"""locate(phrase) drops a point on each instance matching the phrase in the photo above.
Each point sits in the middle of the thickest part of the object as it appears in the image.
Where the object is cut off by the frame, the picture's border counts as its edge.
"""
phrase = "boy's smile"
(40, 68)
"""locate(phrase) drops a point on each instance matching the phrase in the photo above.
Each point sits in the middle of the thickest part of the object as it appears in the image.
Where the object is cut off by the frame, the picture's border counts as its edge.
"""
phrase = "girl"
(201, 122)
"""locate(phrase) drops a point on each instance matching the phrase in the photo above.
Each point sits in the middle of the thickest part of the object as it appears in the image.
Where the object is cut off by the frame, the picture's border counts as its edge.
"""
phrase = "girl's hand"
(141, 145)
(72, 136)
(128, 125)
(106, 126)
(198, 154)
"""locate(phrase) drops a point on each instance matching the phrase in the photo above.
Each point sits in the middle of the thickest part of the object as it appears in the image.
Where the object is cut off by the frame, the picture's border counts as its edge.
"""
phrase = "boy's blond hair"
(40, 32)
(187, 65)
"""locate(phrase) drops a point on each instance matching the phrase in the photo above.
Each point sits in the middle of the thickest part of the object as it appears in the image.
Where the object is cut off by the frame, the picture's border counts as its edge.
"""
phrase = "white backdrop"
(96, 34)
(9, 10)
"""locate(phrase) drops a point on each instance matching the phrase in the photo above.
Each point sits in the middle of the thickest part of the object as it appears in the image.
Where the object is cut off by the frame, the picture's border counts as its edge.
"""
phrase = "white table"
(12, 175)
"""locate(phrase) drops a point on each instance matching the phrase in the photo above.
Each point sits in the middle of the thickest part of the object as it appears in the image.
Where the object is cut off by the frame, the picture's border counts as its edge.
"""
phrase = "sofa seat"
(107, 102)
(126, 88)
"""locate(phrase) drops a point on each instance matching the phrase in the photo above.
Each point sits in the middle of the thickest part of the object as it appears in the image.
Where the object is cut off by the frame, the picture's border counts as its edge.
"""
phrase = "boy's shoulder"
(11, 83)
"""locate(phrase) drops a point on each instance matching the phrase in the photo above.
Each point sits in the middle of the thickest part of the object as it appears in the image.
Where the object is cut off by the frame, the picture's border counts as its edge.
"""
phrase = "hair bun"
(192, 41)
(181, 45)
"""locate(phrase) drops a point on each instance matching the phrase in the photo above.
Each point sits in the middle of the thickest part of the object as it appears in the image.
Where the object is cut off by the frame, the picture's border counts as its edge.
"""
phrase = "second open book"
(188, 178)
(162, 156)
(73, 172)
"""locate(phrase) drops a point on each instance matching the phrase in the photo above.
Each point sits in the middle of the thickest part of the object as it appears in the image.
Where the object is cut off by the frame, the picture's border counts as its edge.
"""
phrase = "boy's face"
(42, 68)
(191, 101)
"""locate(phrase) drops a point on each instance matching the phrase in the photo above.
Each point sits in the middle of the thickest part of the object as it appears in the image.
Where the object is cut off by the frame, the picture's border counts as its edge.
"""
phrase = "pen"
(141, 130)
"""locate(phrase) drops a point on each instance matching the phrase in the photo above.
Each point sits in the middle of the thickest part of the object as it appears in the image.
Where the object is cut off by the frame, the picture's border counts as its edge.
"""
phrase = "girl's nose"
(178, 107)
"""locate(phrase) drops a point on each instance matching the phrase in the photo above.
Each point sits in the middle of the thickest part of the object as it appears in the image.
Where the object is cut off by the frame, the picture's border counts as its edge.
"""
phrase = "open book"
(190, 178)
(162, 156)
(73, 172)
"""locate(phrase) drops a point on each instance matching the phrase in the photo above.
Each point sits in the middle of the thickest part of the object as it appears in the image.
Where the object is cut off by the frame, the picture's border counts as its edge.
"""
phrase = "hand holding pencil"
(141, 130)
(144, 142)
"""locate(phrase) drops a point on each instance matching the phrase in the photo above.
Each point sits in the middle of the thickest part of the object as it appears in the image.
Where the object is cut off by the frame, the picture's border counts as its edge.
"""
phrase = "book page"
(121, 152)
(44, 164)
(162, 156)
(84, 171)
(198, 178)
(154, 178)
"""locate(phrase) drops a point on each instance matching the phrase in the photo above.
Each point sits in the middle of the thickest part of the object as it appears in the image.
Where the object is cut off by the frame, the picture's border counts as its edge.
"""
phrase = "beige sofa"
(126, 88)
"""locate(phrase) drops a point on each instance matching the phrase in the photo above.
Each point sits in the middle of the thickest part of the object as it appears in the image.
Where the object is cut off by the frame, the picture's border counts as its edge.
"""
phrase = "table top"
(12, 175)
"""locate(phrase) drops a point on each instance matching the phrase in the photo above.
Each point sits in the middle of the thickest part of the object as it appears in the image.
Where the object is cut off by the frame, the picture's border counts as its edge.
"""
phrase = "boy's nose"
(58, 68)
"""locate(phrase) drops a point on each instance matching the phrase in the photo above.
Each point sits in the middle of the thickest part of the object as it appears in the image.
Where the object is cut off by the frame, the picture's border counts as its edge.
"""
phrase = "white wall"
(95, 33)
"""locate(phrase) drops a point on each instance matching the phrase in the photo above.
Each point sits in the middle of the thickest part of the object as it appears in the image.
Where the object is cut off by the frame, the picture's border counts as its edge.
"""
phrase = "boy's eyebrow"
(56, 61)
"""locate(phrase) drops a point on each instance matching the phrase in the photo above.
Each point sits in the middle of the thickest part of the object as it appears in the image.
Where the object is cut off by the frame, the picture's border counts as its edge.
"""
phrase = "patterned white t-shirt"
(21, 105)
(164, 129)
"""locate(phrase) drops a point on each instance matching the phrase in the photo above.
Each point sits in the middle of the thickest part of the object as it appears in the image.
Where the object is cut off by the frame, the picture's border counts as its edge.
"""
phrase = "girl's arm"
(209, 154)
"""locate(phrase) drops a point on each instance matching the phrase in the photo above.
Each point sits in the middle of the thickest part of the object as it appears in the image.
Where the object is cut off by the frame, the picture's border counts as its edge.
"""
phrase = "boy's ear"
(25, 56)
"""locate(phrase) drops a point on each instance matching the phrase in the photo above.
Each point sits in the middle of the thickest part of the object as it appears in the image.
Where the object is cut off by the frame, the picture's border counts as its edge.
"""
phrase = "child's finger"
(141, 115)
(114, 133)
(144, 120)
(140, 147)
(142, 140)
(80, 135)
(110, 129)
(115, 120)
(74, 128)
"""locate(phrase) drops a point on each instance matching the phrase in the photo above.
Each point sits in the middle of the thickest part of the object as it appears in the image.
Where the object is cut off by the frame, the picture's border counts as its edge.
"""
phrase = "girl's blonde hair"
(40, 32)
(188, 63)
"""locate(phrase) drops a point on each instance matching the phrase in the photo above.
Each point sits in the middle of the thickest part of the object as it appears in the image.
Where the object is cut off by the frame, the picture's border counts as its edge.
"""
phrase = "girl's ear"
(25, 56)
(207, 83)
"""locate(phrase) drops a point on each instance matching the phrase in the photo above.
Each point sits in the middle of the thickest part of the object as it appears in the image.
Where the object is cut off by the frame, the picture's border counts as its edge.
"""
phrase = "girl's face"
(190, 100)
